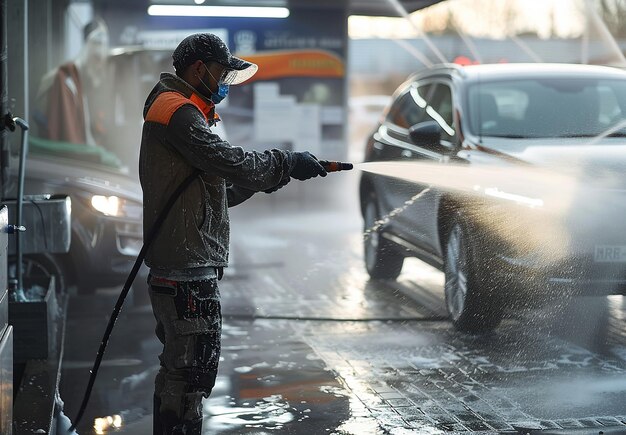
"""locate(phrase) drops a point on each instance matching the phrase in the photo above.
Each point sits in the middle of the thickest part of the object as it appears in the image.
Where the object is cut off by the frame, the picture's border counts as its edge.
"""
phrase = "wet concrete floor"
(311, 346)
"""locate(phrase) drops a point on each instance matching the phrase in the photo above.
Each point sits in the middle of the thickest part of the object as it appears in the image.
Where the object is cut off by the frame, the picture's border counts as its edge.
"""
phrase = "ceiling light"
(217, 11)
(198, 2)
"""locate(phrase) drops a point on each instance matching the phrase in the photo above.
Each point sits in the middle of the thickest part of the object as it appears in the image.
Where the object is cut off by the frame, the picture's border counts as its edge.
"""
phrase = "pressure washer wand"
(336, 166)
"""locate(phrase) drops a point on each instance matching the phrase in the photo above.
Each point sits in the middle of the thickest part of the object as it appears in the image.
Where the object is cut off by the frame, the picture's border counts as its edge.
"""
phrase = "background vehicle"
(509, 117)
(106, 214)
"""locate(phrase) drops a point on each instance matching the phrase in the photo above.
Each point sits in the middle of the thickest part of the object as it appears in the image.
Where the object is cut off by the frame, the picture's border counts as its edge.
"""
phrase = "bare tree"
(474, 17)
(613, 13)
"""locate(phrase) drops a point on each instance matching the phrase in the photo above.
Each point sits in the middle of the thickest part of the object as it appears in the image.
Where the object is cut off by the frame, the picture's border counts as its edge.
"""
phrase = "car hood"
(65, 176)
(578, 156)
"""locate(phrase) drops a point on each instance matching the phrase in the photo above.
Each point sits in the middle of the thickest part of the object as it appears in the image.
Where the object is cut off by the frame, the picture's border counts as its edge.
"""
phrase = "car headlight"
(108, 205)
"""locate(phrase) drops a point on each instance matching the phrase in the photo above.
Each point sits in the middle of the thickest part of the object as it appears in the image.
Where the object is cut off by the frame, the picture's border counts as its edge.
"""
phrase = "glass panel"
(408, 109)
(546, 107)
(440, 109)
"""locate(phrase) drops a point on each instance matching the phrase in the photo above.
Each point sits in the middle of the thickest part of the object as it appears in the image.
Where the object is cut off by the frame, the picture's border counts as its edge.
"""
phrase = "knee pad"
(182, 400)
(193, 406)
(172, 397)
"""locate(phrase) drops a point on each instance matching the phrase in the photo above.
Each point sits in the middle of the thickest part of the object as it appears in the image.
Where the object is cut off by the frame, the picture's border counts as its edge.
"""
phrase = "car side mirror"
(426, 134)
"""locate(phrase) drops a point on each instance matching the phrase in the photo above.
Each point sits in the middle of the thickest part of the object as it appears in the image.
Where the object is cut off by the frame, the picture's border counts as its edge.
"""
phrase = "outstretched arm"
(189, 133)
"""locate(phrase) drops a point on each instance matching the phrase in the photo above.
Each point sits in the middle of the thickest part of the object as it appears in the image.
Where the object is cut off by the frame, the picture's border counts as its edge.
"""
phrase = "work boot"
(188, 428)
(172, 425)
(169, 421)
(157, 425)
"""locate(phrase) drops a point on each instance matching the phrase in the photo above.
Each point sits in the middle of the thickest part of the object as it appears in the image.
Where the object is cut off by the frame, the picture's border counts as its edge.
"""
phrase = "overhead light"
(217, 11)
(199, 2)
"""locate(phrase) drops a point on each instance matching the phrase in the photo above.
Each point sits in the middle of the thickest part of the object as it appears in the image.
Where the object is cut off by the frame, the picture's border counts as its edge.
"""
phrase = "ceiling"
(355, 7)
(384, 7)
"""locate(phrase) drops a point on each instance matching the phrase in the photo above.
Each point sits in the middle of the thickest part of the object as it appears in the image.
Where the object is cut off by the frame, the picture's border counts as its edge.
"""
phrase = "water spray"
(384, 220)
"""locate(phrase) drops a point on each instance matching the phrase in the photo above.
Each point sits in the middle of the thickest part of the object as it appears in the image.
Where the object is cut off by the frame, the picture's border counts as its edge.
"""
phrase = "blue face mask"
(222, 92)
(222, 89)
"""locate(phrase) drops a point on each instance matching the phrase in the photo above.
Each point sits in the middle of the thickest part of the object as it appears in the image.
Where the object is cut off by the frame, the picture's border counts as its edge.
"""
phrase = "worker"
(187, 256)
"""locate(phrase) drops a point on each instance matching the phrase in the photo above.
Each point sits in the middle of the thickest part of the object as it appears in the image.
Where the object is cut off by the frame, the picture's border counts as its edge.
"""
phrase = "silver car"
(520, 194)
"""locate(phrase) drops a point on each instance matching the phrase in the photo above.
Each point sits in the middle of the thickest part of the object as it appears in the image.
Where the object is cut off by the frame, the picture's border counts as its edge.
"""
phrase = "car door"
(392, 145)
(420, 219)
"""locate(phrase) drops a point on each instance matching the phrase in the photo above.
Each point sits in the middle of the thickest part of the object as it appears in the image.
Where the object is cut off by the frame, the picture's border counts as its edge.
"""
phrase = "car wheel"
(382, 261)
(472, 302)
(37, 270)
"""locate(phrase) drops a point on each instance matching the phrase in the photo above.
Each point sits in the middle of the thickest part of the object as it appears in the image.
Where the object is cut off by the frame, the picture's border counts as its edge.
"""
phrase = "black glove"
(282, 183)
(306, 166)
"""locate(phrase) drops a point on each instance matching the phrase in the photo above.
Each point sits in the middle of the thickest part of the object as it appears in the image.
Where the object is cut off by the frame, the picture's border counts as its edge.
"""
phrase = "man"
(191, 248)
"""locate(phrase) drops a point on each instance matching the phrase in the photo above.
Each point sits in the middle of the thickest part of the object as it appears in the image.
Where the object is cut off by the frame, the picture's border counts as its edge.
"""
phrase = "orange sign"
(296, 63)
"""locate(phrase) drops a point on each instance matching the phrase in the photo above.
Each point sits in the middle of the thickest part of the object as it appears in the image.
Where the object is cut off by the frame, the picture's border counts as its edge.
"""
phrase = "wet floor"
(311, 346)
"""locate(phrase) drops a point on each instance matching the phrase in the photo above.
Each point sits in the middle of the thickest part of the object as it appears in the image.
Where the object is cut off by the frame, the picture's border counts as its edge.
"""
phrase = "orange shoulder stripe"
(204, 108)
(165, 105)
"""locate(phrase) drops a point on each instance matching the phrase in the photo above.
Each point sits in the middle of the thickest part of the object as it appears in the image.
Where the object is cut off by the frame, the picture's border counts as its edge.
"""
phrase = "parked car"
(106, 227)
(502, 116)
(102, 180)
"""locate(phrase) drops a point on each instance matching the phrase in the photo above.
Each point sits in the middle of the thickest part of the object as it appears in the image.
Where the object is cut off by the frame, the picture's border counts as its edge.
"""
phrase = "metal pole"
(26, 66)
(4, 100)
(584, 44)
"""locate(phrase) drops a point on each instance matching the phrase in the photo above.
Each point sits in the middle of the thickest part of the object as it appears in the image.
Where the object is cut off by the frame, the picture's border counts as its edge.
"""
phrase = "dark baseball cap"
(207, 47)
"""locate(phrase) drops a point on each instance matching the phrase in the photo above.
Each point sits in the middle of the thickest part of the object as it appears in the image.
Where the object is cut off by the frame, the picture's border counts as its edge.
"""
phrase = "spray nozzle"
(336, 166)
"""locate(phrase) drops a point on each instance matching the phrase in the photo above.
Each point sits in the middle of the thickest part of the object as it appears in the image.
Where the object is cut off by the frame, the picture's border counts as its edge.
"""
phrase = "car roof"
(498, 71)
(517, 70)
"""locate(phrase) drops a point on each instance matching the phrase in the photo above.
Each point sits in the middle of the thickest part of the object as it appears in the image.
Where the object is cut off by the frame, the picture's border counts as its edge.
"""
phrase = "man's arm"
(237, 194)
(255, 171)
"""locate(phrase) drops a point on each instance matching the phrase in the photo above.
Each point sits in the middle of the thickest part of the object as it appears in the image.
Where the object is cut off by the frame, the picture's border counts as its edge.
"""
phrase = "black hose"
(20, 203)
(124, 293)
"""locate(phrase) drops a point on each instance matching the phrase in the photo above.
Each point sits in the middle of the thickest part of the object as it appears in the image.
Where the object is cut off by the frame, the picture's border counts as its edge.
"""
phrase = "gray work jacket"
(176, 139)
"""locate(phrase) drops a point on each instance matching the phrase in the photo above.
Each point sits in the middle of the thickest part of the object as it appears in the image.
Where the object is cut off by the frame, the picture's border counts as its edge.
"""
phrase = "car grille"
(132, 210)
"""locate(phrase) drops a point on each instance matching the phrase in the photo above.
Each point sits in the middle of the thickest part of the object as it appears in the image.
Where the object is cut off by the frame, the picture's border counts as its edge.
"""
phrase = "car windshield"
(547, 107)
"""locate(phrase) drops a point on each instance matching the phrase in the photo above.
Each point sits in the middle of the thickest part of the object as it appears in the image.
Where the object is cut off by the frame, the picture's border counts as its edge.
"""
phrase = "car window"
(609, 107)
(440, 109)
(409, 109)
(546, 107)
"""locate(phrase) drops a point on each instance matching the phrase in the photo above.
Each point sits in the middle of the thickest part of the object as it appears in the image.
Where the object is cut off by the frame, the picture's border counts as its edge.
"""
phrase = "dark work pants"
(189, 324)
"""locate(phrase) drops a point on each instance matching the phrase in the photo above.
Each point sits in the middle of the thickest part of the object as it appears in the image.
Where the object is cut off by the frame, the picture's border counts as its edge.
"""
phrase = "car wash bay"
(311, 346)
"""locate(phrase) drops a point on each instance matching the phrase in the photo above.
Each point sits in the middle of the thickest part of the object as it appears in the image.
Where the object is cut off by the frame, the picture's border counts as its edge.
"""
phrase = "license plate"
(610, 254)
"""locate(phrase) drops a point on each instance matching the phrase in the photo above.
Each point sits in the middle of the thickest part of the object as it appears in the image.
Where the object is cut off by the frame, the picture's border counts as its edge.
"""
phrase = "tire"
(472, 301)
(382, 259)
(37, 270)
